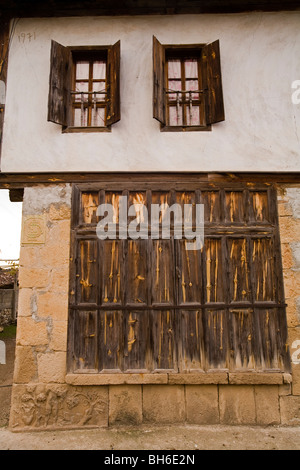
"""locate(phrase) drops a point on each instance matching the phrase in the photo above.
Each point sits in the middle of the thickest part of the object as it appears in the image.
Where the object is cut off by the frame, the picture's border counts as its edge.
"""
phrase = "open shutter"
(159, 105)
(113, 101)
(60, 84)
(212, 80)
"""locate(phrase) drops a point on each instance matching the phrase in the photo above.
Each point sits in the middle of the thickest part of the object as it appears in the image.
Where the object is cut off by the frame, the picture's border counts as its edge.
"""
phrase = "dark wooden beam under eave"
(63, 8)
(16, 195)
(18, 181)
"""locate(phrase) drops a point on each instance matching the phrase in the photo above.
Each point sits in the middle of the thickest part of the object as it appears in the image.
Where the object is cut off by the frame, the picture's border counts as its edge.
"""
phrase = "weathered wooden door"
(151, 305)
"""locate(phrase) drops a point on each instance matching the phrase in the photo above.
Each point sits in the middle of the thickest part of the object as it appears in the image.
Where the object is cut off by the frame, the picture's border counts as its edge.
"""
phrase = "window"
(84, 91)
(149, 305)
(187, 86)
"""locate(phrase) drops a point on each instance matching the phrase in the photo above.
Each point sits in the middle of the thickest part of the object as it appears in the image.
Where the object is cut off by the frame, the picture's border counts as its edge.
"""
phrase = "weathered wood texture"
(150, 305)
(212, 80)
(159, 99)
(56, 8)
(21, 180)
(114, 102)
(59, 99)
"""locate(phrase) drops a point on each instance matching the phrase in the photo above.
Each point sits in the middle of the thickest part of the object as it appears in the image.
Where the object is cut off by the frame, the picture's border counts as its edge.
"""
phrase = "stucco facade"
(259, 64)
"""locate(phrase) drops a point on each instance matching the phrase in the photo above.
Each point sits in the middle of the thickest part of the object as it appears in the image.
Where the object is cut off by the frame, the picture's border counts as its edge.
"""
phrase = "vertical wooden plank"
(137, 278)
(239, 279)
(190, 342)
(87, 272)
(85, 349)
(89, 205)
(163, 340)
(214, 271)
(271, 347)
(265, 288)
(111, 341)
(188, 274)
(137, 351)
(212, 209)
(242, 339)
(111, 272)
(215, 326)
(162, 272)
(259, 208)
(234, 207)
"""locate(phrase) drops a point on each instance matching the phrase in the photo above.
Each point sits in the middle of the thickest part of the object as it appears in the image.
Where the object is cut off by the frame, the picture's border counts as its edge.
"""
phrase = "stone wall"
(45, 396)
(7, 299)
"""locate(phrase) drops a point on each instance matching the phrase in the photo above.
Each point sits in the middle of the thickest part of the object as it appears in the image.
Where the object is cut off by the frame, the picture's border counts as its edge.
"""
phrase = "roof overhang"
(61, 8)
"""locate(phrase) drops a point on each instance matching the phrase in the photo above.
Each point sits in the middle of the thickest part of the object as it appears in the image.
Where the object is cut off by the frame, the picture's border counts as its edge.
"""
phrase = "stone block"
(60, 280)
(252, 378)
(290, 410)
(52, 406)
(202, 378)
(292, 313)
(51, 304)
(59, 212)
(31, 332)
(116, 379)
(202, 406)
(34, 277)
(163, 404)
(285, 389)
(125, 404)
(286, 255)
(52, 367)
(291, 283)
(237, 404)
(58, 336)
(55, 255)
(24, 302)
(25, 365)
(267, 404)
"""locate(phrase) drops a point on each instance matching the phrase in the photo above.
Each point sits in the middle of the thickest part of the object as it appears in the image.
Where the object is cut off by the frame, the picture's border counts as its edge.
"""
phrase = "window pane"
(99, 69)
(175, 116)
(191, 68)
(82, 70)
(192, 85)
(98, 117)
(99, 86)
(81, 86)
(174, 85)
(193, 116)
(77, 117)
(174, 69)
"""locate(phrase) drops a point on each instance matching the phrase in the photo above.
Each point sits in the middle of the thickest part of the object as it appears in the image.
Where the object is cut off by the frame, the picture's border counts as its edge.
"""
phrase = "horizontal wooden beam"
(57, 8)
(22, 180)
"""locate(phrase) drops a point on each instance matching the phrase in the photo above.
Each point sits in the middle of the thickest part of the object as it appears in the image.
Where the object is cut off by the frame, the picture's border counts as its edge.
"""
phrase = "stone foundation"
(44, 396)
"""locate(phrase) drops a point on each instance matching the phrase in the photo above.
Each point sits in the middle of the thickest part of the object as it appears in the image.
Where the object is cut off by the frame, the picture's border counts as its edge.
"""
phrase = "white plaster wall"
(260, 59)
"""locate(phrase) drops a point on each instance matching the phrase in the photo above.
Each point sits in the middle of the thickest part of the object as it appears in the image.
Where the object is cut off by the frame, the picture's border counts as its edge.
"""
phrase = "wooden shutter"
(60, 84)
(113, 104)
(212, 80)
(159, 104)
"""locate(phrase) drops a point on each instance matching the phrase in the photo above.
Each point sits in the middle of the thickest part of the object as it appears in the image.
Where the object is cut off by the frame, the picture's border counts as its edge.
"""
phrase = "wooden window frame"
(62, 80)
(209, 76)
(89, 55)
(228, 232)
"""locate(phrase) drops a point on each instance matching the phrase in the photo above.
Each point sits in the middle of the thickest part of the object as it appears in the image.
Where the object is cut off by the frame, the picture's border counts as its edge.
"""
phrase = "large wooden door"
(151, 305)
